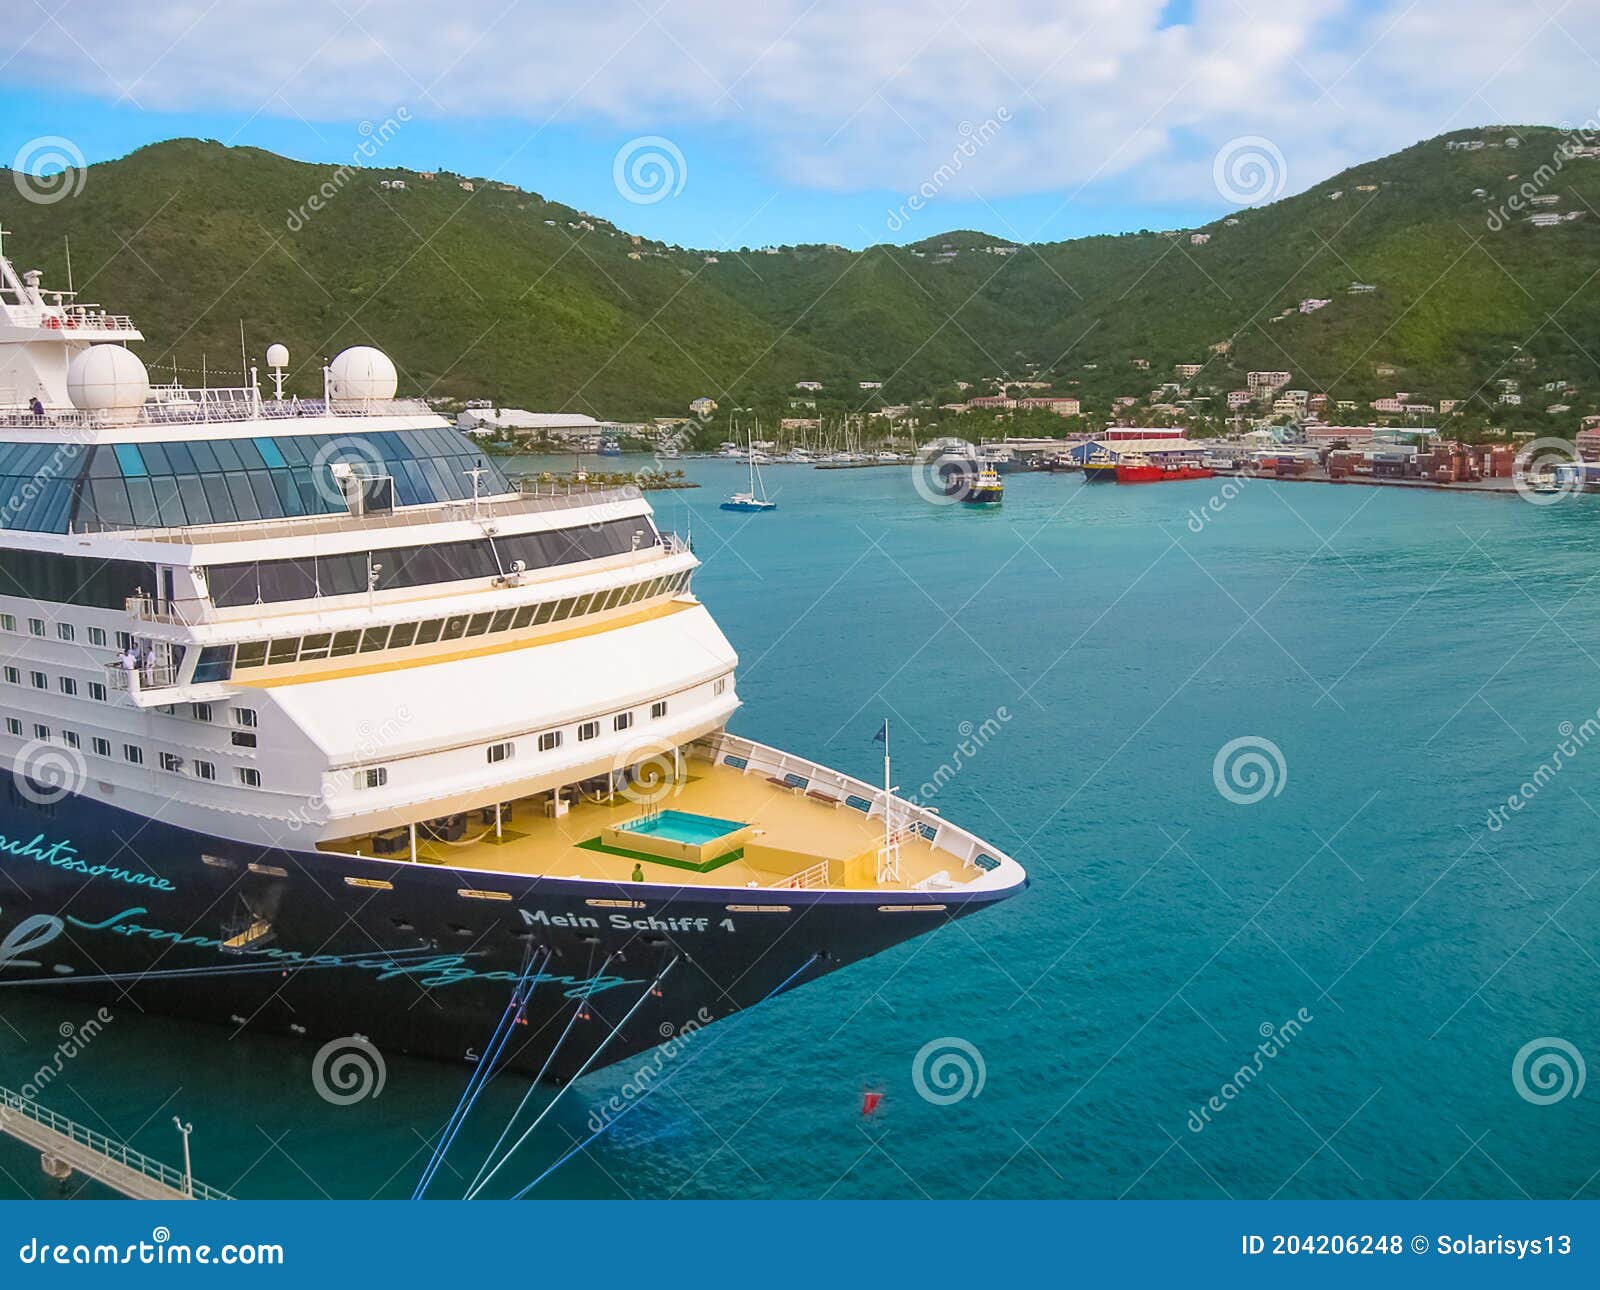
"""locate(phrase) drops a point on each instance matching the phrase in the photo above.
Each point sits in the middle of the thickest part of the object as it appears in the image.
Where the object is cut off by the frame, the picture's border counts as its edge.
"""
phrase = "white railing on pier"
(107, 1161)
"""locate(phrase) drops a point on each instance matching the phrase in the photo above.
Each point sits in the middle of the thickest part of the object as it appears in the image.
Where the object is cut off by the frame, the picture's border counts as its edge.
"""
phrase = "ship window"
(316, 646)
(550, 739)
(546, 612)
(41, 732)
(66, 631)
(428, 632)
(588, 730)
(612, 600)
(243, 739)
(250, 777)
(14, 676)
(506, 751)
(251, 654)
(564, 608)
(478, 625)
(97, 691)
(67, 684)
(455, 628)
(40, 680)
(97, 636)
(133, 753)
(376, 777)
(374, 638)
(502, 620)
(172, 763)
(402, 635)
(70, 738)
(283, 650)
(201, 711)
(8, 622)
(214, 664)
(721, 685)
(101, 747)
(204, 770)
(344, 644)
(524, 616)
(658, 710)
(245, 717)
(622, 721)
(13, 726)
(36, 626)
(124, 641)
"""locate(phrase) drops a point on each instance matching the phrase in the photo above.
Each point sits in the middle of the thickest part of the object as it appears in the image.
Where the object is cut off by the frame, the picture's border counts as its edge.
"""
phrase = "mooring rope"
(484, 1071)
(580, 1004)
(611, 1124)
(588, 1061)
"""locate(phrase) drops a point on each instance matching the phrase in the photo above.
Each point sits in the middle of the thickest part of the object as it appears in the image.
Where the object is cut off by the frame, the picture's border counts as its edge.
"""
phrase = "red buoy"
(869, 1102)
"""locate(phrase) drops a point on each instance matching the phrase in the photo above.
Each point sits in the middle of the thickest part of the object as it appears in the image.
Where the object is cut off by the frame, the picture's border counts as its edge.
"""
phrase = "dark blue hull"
(420, 959)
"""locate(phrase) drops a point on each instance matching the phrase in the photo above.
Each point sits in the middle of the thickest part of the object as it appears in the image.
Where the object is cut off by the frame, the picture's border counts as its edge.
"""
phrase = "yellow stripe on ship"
(481, 651)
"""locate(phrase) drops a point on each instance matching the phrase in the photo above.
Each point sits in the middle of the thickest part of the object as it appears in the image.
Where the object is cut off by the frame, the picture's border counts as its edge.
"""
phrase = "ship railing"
(905, 817)
(101, 1145)
(188, 612)
(812, 879)
(487, 508)
(151, 676)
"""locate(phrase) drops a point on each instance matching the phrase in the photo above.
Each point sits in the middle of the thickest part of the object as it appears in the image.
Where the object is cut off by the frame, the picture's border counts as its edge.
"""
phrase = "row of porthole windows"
(245, 717)
(65, 631)
(218, 662)
(133, 754)
(549, 741)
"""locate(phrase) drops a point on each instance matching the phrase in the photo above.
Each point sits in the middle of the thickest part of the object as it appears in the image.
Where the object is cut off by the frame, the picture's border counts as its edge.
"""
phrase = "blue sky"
(812, 120)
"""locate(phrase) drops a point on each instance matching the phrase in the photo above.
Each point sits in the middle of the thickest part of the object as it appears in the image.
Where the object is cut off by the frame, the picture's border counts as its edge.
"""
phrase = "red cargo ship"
(1135, 468)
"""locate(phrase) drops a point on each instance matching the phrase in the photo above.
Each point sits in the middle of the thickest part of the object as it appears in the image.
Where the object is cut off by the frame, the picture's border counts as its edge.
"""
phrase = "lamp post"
(188, 1166)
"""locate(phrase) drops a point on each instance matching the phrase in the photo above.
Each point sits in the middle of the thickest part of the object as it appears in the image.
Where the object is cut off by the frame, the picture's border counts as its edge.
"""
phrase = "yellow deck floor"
(785, 819)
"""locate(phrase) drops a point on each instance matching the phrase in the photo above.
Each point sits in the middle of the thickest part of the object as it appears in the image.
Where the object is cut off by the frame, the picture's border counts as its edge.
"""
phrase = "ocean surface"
(1321, 992)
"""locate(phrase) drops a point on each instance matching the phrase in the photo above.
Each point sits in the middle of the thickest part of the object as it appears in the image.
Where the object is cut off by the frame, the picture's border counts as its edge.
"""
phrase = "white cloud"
(848, 96)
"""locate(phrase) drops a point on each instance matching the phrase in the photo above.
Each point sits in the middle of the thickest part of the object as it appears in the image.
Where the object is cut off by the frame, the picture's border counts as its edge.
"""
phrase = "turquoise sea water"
(1412, 657)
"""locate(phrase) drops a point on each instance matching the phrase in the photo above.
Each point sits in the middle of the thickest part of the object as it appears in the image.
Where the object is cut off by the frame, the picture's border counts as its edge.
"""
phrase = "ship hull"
(1161, 474)
(418, 959)
(1093, 474)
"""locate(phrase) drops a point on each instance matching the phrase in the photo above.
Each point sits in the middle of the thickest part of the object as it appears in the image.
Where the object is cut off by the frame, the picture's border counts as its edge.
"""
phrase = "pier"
(65, 1146)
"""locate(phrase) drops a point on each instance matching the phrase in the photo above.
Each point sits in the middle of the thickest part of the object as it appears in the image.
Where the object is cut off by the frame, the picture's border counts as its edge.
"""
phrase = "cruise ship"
(318, 726)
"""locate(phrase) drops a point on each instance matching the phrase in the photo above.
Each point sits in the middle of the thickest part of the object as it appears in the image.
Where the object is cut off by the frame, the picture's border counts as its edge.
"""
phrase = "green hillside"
(498, 293)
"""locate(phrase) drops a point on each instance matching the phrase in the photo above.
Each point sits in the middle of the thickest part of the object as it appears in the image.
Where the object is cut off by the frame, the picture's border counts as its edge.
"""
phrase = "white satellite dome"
(362, 372)
(107, 377)
(277, 356)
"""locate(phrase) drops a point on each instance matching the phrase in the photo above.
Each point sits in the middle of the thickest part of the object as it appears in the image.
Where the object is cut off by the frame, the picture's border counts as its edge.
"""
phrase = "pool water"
(683, 826)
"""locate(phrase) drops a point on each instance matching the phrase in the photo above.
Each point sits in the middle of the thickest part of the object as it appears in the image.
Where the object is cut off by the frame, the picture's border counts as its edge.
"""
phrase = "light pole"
(188, 1167)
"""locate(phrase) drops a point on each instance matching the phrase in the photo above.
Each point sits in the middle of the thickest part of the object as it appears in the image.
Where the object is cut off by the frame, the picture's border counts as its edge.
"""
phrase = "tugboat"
(1101, 468)
(1136, 468)
(981, 489)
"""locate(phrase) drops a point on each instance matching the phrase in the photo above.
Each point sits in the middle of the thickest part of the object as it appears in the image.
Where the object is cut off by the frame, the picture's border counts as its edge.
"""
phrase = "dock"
(65, 1146)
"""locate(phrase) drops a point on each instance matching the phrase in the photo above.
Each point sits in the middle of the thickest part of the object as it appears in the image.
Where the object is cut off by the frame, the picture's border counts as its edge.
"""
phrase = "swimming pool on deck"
(679, 836)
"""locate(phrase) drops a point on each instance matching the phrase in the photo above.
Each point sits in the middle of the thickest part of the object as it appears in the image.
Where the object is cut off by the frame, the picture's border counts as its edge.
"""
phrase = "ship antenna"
(67, 238)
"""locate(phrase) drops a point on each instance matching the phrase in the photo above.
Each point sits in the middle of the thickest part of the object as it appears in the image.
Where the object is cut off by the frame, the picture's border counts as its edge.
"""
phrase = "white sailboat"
(756, 499)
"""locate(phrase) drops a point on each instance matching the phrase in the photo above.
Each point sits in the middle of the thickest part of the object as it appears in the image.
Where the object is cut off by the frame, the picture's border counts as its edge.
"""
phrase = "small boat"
(983, 488)
(756, 499)
(1101, 468)
(1136, 468)
(609, 448)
